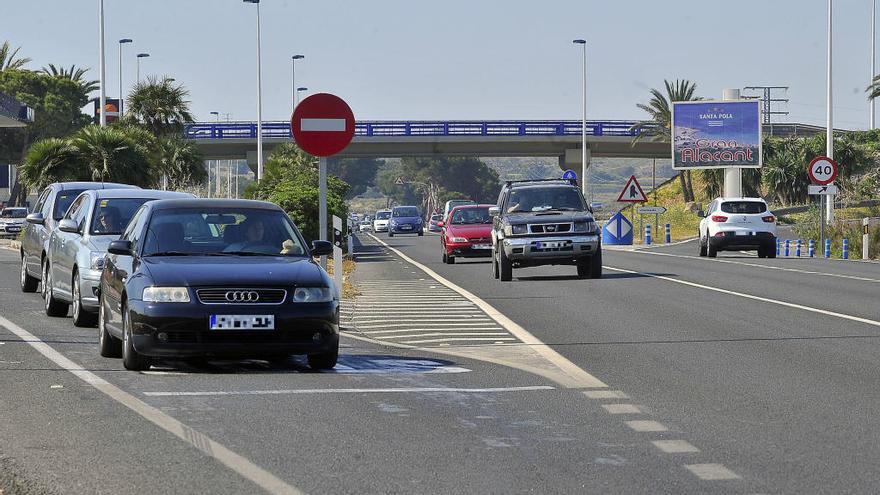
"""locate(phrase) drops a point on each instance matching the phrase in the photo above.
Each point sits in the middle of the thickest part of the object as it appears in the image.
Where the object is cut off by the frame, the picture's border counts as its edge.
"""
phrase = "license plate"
(482, 246)
(242, 322)
(406, 227)
(743, 233)
(550, 245)
(13, 229)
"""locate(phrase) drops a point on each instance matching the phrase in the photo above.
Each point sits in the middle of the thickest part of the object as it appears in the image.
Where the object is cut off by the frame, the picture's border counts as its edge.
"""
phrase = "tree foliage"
(159, 105)
(359, 173)
(9, 59)
(75, 74)
(181, 162)
(290, 180)
(411, 181)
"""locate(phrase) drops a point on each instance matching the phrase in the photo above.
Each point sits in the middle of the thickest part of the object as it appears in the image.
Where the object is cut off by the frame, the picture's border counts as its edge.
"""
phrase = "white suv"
(738, 224)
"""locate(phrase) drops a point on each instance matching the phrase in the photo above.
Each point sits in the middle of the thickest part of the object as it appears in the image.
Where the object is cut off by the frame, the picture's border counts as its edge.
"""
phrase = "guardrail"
(459, 128)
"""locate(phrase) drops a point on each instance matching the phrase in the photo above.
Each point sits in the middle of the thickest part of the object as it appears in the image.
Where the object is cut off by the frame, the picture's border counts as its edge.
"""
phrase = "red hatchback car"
(467, 233)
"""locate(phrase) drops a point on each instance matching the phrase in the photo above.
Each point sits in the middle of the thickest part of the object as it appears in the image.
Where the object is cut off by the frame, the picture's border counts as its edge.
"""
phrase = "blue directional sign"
(618, 231)
(570, 175)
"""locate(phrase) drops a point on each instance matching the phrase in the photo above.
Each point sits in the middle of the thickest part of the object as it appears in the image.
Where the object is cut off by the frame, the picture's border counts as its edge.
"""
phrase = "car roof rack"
(565, 181)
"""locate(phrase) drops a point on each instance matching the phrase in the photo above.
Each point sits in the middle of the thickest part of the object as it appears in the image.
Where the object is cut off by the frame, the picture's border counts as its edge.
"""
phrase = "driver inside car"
(254, 233)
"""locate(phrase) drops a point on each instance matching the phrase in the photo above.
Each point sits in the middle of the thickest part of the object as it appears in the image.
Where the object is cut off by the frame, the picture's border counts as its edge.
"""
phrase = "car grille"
(549, 228)
(241, 296)
(481, 240)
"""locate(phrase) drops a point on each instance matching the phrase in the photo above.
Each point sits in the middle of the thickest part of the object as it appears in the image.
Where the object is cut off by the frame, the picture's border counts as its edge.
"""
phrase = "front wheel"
(54, 307)
(131, 359)
(390, 234)
(324, 360)
(108, 345)
(28, 283)
(81, 317)
(596, 265)
(505, 266)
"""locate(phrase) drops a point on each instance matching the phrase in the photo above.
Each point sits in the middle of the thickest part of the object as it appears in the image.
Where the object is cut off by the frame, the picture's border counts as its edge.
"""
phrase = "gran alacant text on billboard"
(716, 134)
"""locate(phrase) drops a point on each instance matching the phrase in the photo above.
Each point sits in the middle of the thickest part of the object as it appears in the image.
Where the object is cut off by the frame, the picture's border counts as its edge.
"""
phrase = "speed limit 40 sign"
(822, 170)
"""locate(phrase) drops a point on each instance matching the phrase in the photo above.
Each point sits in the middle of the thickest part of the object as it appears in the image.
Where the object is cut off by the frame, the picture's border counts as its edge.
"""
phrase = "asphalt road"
(388, 420)
(767, 367)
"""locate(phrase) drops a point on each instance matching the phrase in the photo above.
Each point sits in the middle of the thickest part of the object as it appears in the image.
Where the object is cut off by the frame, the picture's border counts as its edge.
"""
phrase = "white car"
(12, 220)
(380, 221)
(737, 224)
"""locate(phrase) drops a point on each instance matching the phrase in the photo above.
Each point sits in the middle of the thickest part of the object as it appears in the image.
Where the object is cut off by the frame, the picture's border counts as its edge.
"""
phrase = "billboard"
(716, 134)
(111, 109)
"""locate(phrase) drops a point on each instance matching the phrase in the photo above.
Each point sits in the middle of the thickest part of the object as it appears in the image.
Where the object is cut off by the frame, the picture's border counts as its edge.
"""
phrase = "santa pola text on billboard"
(716, 134)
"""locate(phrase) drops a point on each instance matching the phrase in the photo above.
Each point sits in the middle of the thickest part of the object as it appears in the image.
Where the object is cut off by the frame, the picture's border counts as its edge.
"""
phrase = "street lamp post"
(873, 43)
(259, 98)
(293, 60)
(121, 42)
(829, 130)
(103, 76)
(298, 91)
(583, 43)
(139, 57)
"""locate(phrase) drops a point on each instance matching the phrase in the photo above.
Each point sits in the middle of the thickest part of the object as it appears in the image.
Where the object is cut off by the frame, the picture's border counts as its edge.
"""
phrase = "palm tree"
(659, 126)
(114, 154)
(873, 89)
(75, 74)
(50, 160)
(160, 106)
(181, 162)
(8, 58)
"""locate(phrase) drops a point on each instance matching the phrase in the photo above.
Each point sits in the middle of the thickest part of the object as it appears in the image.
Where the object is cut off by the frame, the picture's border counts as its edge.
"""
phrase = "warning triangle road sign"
(632, 192)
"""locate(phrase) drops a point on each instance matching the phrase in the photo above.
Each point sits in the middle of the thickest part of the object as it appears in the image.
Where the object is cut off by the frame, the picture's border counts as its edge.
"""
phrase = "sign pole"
(732, 175)
(654, 189)
(337, 254)
(322, 204)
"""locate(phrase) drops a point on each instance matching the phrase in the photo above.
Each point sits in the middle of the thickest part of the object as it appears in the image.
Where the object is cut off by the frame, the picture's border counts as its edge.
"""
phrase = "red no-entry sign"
(322, 125)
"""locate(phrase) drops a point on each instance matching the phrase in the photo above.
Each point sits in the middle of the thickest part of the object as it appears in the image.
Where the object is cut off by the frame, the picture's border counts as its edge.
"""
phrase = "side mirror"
(68, 225)
(322, 248)
(494, 211)
(120, 247)
(35, 218)
(701, 214)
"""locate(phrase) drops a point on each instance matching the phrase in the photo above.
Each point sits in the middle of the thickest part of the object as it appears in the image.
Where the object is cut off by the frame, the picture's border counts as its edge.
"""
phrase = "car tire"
(596, 264)
(390, 234)
(108, 345)
(131, 359)
(505, 267)
(711, 251)
(324, 360)
(28, 283)
(445, 257)
(703, 245)
(583, 269)
(495, 273)
(54, 307)
(421, 233)
(762, 253)
(450, 259)
(81, 317)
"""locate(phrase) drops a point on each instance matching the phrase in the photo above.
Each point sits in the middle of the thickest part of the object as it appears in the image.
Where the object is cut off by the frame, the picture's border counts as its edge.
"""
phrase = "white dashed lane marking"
(605, 394)
(621, 409)
(711, 472)
(675, 446)
(646, 425)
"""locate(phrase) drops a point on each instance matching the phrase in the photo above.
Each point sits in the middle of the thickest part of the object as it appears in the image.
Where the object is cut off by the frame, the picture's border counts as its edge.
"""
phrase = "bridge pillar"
(572, 160)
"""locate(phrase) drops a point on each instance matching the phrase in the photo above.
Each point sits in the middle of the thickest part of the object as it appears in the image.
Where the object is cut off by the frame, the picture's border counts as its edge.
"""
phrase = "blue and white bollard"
(797, 249)
(811, 249)
(668, 234)
(787, 242)
(827, 248)
(845, 254)
(648, 234)
(778, 247)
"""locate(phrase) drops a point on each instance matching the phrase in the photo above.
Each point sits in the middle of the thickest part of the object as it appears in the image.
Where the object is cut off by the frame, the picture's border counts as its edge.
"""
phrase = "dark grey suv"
(544, 222)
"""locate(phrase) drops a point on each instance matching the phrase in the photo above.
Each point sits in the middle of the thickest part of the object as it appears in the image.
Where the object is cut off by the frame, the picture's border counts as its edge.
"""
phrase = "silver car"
(11, 221)
(77, 247)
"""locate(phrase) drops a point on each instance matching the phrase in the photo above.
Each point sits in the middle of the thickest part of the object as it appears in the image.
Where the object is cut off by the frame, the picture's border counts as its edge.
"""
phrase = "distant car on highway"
(434, 223)
(75, 256)
(380, 222)
(51, 206)
(544, 222)
(405, 220)
(738, 224)
(366, 226)
(211, 277)
(452, 203)
(467, 233)
(12, 221)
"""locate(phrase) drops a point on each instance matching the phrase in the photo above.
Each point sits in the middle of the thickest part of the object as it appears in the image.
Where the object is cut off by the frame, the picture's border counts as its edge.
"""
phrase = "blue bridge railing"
(385, 128)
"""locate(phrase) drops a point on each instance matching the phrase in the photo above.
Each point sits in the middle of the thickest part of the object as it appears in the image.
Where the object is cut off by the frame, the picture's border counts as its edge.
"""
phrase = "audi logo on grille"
(242, 296)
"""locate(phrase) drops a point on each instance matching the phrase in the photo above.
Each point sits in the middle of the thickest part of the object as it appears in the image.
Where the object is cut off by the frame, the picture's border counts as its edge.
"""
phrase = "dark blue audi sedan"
(210, 277)
(405, 220)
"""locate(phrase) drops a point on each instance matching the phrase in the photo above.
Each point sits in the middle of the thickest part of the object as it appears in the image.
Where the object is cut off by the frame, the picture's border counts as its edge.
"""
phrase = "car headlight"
(96, 260)
(589, 226)
(166, 294)
(516, 229)
(459, 239)
(312, 294)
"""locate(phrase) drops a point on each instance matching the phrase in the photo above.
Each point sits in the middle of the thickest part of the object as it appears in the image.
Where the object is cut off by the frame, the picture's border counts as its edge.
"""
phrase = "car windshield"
(743, 207)
(405, 212)
(545, 199)
(14, 213)
(383, 215)
(112, 215)
(463, 216)
(63, 201)
(222, 232)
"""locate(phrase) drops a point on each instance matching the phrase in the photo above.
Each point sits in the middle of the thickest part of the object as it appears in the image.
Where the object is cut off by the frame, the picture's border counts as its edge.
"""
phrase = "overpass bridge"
(391, 139)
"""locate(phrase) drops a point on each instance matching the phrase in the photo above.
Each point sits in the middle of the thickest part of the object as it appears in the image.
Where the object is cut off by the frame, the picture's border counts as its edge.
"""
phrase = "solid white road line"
(646, 425)
(675, 446)
(211, 448)
(769, 267)
(834, 314)
(323, 391)
(578, 376)
(712, 472)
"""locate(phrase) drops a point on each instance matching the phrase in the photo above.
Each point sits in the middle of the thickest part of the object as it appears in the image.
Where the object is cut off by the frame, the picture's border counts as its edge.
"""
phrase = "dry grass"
(349, 290)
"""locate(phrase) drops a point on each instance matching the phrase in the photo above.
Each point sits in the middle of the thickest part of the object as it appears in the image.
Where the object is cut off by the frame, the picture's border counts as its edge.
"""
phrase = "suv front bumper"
(530, 249)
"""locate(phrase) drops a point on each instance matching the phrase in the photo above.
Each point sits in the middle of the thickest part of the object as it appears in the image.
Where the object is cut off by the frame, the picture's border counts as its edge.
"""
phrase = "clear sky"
(463, 59)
